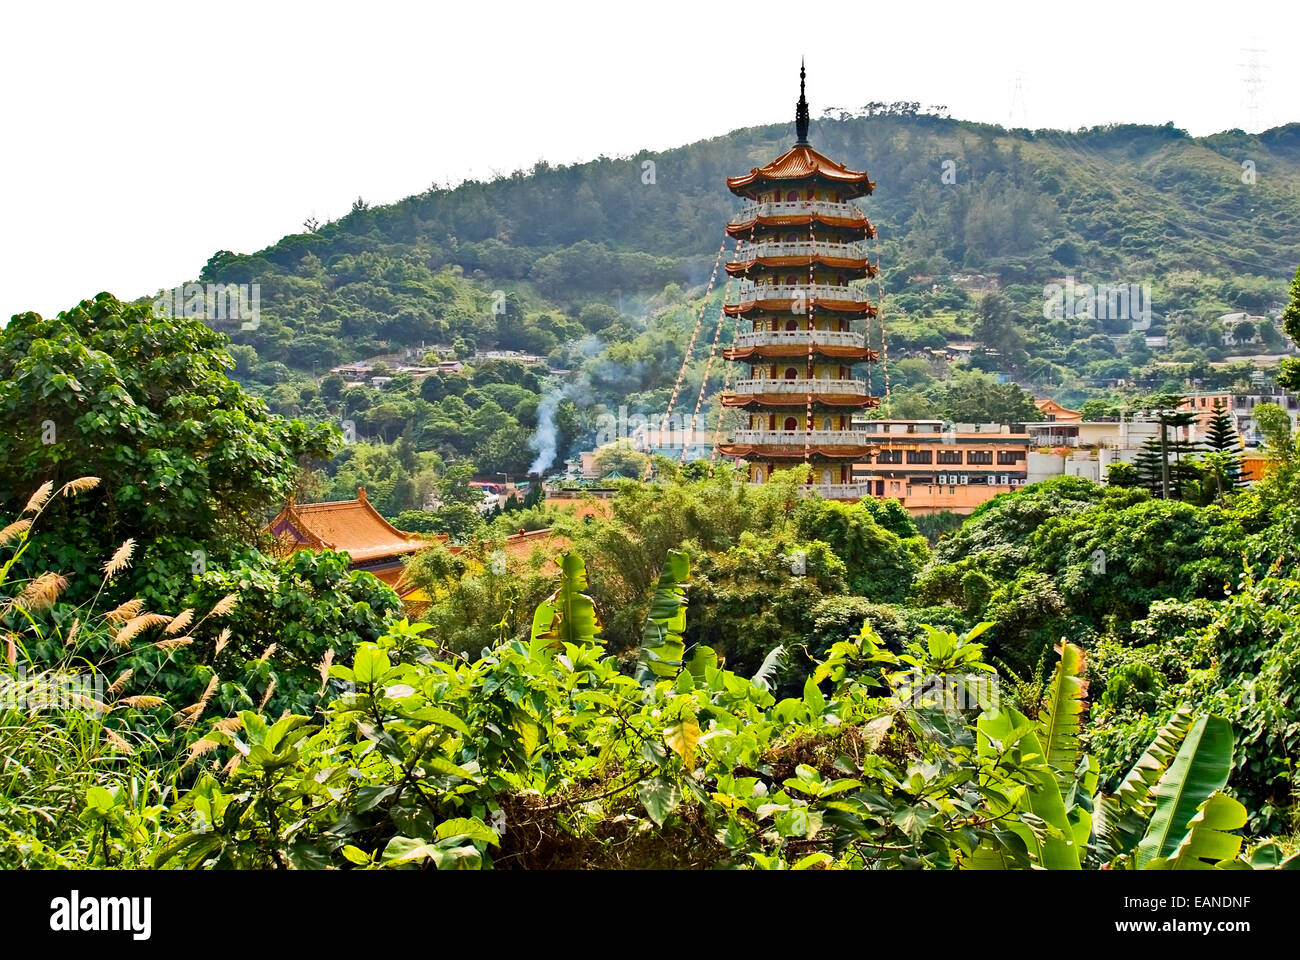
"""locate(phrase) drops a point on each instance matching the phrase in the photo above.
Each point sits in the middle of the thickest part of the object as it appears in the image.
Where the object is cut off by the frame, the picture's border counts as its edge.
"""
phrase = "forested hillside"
(592, 266)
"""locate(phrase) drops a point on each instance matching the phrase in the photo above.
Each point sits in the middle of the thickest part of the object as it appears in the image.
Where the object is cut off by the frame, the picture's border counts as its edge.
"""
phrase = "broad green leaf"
(1207, 842)
(661, 637)
(567, 615)
(1059, 720)
(1199, 770)
(660, 797)
(683, 737)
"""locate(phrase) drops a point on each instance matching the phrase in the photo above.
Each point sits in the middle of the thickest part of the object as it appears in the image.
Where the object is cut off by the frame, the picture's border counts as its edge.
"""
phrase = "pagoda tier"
(802, 260)
(820, 214)
(796, 451)
(802, 165)
(777, 399)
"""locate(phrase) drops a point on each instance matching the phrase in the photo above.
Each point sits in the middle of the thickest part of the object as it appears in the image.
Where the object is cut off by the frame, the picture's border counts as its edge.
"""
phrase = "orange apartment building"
(928, 469)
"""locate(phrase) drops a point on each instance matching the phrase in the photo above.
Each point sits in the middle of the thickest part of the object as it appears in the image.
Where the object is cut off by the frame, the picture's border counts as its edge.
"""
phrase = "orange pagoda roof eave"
(858, 307)
(802, 162)
(797, 220)
(856, 354)
(835, 263)
(798, 400)
(788, 451)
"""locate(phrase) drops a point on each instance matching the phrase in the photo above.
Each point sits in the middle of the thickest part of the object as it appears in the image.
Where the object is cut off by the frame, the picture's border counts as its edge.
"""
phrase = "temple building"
(354, 527)
(801, 259)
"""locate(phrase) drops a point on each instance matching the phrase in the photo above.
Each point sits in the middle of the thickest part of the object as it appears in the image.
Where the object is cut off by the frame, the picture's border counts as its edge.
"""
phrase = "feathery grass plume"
(223, 638)
(180, 622)
(15, 529)
(224, 605)
(266, 654)
(41, 592)
(325, 664)
(209, 690)
(88, 704)
(190, 715)
(142, 702)
(125, 611)
(232, 765)
(120, 558)
(120, 683)
(201, 748)
(72, 631)
(185, 717)
(80, 485)
(229, 726)
(270, 689)
(136, 624)
(117, 743)
(172, 643)
(39, 497)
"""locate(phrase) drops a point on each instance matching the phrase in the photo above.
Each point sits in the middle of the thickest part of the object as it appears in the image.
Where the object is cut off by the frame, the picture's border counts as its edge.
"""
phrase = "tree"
(454, 486)
(190, 465)
(1290, 375)
(1222, 438)
(620, 458)
(979, 398)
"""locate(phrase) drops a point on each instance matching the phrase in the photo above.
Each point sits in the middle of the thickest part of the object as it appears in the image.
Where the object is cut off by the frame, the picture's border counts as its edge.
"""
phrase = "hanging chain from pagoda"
(708, 366)
(690, 347)
(729, 366)
(880, 317)
(722, 407)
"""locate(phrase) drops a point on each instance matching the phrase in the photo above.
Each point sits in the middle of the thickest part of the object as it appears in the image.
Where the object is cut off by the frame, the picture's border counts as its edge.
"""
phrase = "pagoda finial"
(801, 112)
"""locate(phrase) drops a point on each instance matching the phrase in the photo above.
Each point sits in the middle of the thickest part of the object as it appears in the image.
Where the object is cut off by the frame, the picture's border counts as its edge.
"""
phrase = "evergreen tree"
(1149, 464)
(1222, 437)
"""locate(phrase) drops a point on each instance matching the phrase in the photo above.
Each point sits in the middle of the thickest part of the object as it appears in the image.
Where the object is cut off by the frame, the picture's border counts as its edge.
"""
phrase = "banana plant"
(662, 646)
(1198, 772)
(568, 615)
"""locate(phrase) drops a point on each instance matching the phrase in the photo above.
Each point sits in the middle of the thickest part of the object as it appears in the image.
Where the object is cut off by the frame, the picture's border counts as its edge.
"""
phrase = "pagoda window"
(758, 474)
(826, 423)
(791, 424)
(827, 477)
(791, 373)
(792, 324)
(792, 196)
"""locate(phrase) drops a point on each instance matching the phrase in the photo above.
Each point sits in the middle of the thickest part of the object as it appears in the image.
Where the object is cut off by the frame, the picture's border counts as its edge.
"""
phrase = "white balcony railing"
(805, 386)
(801, 248)
(787, 437)
(798, 208)
(750, 291)
(838, 491)
(821, 338)
(834, 491)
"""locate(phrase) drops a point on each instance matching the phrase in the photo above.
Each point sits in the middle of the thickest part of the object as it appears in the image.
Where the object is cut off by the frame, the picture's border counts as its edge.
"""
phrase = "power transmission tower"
(1254, 81)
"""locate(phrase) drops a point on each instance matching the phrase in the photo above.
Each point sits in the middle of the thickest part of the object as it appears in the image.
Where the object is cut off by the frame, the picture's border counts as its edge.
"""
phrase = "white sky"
(140, 138)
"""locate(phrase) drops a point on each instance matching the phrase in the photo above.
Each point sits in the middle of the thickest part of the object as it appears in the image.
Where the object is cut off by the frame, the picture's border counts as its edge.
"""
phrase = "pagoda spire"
(801, 112)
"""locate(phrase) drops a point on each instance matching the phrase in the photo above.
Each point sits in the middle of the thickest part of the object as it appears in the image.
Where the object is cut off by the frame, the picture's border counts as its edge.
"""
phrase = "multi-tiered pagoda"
(801, 259)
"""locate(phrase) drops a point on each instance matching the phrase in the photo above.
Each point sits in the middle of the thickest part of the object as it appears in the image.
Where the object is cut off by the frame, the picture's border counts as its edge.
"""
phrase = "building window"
(889, 456)
(1008, 457)
(920, 456)
(949, 456)
(979, 457)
